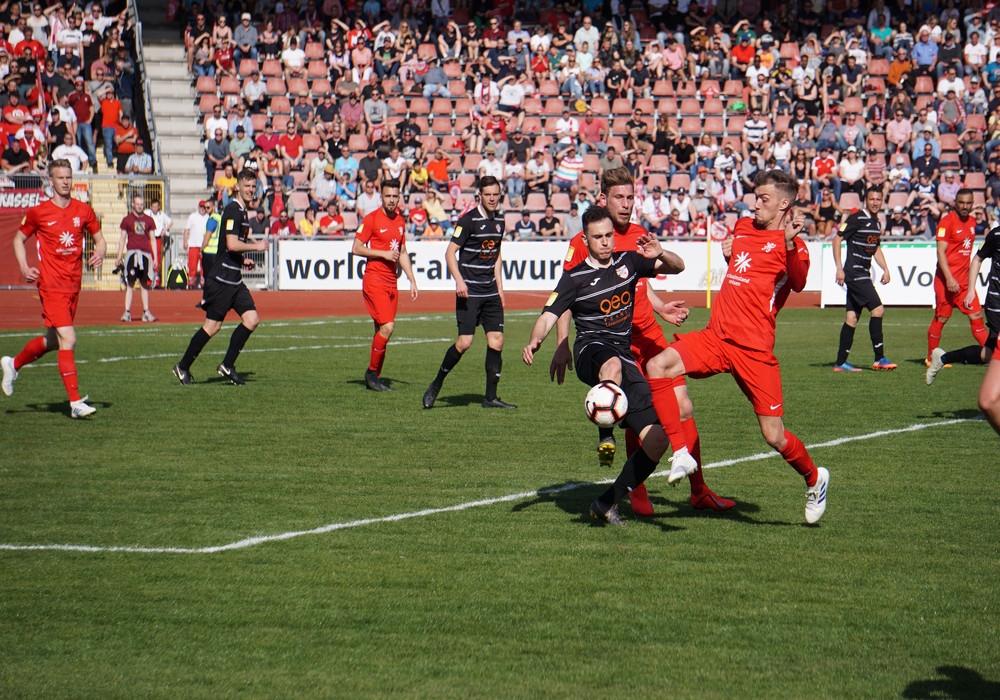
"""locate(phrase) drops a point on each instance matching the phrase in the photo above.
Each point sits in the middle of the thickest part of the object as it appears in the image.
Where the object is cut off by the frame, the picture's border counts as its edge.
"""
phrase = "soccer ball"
(606, 404)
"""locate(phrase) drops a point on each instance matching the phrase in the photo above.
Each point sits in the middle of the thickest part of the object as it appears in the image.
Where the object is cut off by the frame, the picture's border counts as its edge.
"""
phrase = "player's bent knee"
(386, 329)
(654, 441)
(878, 312)
(463, 343)
(611, 371)
(494, 341)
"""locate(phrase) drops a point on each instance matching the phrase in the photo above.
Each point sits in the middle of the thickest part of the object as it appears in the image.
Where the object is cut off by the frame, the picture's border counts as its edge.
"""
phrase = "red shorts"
(381, 301)
(58, 307)
(946, 301)
(756, 372)
(647, 344)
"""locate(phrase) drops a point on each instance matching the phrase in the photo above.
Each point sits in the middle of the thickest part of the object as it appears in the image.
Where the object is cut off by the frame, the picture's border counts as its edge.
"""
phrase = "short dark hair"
(964, 191)
(247, 174)
(874, 188)
(594, 215)
(488, 181)
(390, 184)
(786, 183)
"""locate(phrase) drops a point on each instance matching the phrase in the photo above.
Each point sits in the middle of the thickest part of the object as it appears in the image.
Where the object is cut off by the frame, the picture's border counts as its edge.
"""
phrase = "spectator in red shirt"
(135, 252)
(290, 149)
(741, 57)
(825, 174)
(283, 226)
(83, 107)
(111, 114)
(417, 218)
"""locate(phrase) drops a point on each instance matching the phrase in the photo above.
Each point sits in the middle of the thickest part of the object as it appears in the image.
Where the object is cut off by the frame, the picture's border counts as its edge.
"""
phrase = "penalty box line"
(524, 495)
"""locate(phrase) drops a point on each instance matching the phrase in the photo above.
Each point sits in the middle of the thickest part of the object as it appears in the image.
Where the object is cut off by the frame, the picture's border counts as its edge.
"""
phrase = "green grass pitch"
(893, 594)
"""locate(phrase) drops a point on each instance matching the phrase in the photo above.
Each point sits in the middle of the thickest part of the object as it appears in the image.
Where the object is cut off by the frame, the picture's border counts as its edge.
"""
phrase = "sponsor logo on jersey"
(742, 262)
(66, 238)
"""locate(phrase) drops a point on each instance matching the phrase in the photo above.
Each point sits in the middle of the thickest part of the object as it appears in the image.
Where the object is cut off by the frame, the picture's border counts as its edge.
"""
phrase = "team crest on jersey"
(769, 247)
(622, 272)
(742, 262)
(76, 221)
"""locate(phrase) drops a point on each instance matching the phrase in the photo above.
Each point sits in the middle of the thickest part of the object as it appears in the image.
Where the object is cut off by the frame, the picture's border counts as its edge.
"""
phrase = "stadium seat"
(588, 181)
(667, 106)
(548, 88)
(396, 105)
(471, 162)
(663, 88)
(554, 105)
(790, 52)
(876, 142)
(247, 66)
(560, 202)
(205, 85)
(357, 143)
(389, 85)
(311, 142)
(659, 164)
(462, 121)
(206, 103)
(229, 85)
(535, 201)
(621, 106)
(426, 52)
(429, 142)
(454, 71)
(750, 199)
(320, 87)
(680, 181)
(686, 88)
(279, 121)
(591, 162)
(531, 125)
(270, 68)
(853, 105)
(617, 142)
(300, 178)
(317, 69)
(949, 142)
(532, 105)
(276, 86)
(733, 89)
(734, 126)
(781, 123)
(975, 121)
(645, 105)
(691, 126)
(896, 199)
(280, 105)
(714, 126)
(298, 201)
(420, 105)
(690, 107)
(656, 180)
(619, 125)
(314, 49)
(849, 201)
(258, 121)
(878, 67)
(467, 181)
(712, 106)
(441, 107)
(350, 221)
(924, 85)
(441, 126)
(456, 88)
(978, 198)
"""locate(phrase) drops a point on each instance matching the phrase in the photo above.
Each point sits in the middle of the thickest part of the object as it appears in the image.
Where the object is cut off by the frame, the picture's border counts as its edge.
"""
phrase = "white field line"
(524, 495)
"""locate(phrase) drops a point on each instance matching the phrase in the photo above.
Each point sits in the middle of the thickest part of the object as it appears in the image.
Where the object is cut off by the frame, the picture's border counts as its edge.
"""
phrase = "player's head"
(138, 203)
(61, 174)
(599, 233)
(246, 181)
(873, 199)
(489, 193)
(390, 195)
(618, 195)
(964, 203)
(775, 190)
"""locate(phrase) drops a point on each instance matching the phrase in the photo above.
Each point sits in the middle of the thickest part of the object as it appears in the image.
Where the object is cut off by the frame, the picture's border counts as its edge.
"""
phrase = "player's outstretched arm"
(667, 263)
(670, 311)
(539, 332)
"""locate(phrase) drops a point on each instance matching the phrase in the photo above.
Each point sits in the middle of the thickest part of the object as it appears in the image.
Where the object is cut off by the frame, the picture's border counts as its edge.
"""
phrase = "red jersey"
(960, 237)
(745, 308)
(137, 229)
(379, 231)
(643, 318)
(60, 239)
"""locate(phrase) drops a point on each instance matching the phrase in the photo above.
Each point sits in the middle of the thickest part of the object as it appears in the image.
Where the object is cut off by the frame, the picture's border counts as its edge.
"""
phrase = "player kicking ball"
(600, 294)
(224, 287)
(863, 233)
(60, 226)
(739, 338)
(989, 392)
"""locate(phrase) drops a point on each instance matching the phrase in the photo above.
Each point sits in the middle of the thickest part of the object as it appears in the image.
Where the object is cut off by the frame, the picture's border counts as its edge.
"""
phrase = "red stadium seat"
(205, 85)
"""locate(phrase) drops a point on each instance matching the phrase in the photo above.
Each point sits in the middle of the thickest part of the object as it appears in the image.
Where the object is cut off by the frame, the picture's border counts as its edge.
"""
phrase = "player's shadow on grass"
(960, 683)
(248, 377)
(682, 508)
(575, 497)
(961, 413)
(57, 407)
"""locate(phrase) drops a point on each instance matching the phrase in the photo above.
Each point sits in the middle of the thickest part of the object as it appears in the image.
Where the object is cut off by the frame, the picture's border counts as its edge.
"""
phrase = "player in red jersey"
(618, 195)
(136, 253)
(739, 338)
(381, 238)
(59, 225)
(956, 235)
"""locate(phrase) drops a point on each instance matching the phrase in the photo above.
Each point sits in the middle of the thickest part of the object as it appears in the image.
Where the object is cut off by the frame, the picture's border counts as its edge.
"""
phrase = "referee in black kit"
(224, 288)
(473, 258)
(863, 233)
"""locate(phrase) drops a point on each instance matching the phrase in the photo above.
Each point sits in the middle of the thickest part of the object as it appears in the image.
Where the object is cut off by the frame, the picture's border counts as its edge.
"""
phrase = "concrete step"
(165, 55)
(176, 107)
(178, 164)
(174, 89)
(175, 146)
(186, 126)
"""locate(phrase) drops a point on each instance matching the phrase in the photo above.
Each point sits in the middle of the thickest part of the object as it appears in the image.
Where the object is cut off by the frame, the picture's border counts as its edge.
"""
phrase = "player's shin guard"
(67, 369)
(197, 344)
(846, 341)
(971, 355)
(693, 441)
(494, 365)
(665, 404)
(934, 335)
(377, 357)
(875, 331)
(637, 468)
(35, 348)
(237, 340)
(979, 331)
(451, 359)
(796, 455)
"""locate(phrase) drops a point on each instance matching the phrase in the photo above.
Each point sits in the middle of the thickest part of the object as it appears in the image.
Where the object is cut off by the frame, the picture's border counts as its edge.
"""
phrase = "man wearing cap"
(900, 175)
(245, 37)
(323, 189)
(237, 118)
(240, 147)
(898, 225)
(255, 93)
(513, 89)
(140, 162)
(416, 218)
(194, 237)
(925, 139)
(525, 228)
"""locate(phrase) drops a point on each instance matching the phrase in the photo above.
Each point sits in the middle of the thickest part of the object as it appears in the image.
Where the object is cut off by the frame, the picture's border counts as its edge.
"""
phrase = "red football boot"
(707, 500)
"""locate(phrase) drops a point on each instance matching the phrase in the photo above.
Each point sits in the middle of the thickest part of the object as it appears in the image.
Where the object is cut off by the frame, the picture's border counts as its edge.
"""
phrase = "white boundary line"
(332, 527)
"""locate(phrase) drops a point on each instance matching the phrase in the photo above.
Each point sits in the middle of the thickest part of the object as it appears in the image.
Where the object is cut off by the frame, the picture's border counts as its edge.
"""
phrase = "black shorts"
(592, 355)
(479, 311)
(220, 298)
(138, 268)
(861, 294)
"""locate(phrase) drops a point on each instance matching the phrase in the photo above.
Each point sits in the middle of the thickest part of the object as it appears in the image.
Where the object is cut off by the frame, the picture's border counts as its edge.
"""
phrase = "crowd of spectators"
(325, 98)
(69, 83)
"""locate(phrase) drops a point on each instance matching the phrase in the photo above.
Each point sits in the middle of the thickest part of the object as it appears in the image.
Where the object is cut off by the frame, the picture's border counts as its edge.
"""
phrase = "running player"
(863, 233)
(618, 195)
(473, 257)
(381, 238)
(600, 293)
(956, 236)
(739, 338)
(224, 287)
(974, 354)
(60, 225)
(137, 249)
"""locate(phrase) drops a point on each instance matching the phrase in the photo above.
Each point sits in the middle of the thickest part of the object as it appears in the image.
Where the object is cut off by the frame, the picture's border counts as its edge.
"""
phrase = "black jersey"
(863, 234)
(228, 264)
(479, 236)
(990, 250)
(602, 298)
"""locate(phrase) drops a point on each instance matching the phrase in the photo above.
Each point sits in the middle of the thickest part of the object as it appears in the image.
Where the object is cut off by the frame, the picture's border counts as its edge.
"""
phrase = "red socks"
(796, 455)
(934, 335)
(377, 358)
(32, 351)
(665, 403)
(67, 369)
(979, 331)
(693, 441)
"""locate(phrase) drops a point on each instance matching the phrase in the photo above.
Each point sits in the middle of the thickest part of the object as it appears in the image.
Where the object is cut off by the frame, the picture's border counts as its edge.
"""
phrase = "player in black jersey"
(473, 258)
(224, 288)
(989, 392)
(600, 293)
(863, 233)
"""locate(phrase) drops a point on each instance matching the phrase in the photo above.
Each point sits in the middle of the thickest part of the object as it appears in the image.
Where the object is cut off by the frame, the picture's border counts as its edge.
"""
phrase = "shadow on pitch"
(959, 683)
(56, 407)
(575, 497)
(961, 413)
(248, 377)
(681, 507)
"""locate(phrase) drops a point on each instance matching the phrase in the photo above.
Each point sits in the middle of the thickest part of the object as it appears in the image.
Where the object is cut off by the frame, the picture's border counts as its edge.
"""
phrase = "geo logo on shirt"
(743, 262)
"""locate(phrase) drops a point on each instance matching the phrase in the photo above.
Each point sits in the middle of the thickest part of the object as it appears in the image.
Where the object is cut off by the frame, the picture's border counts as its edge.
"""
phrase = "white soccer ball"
(606, 404)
